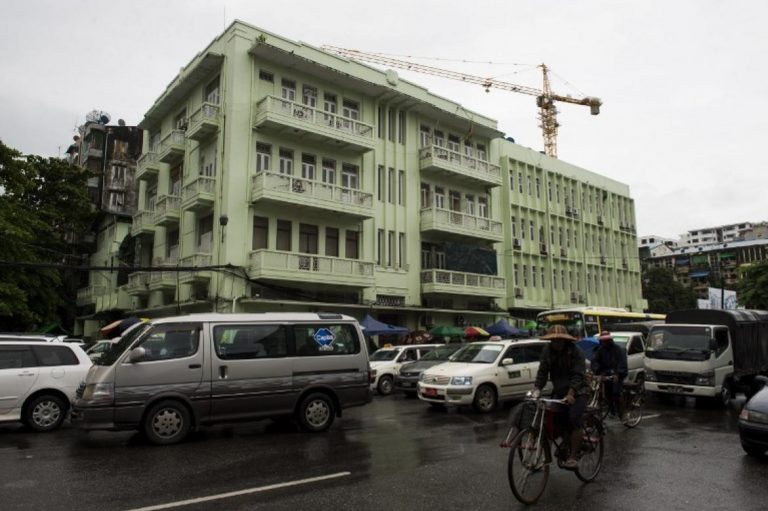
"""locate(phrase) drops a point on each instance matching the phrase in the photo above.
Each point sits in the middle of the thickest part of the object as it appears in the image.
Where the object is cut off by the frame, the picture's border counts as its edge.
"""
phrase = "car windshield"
(442, 352)
(116, 349)
(385, 355)
(620, 340)
(478, 353)
(679, 342)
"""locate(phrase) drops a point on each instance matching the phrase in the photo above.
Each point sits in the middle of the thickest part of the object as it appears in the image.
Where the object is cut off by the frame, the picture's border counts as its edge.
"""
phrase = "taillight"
(371, 376)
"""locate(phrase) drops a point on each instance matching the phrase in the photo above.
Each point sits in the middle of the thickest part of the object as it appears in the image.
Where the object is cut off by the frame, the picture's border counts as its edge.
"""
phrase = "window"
(309, 96)
(349, 176)
(351, 245)
(174, 187)
(172, 245)
(425, 202)
(439, 198)
(286, 161)
(522, 228)
(16, 357)
(329, 103)
(400, 187)
(170, 341)
(482, 206)
(391, 113)
(284, 235)
(308, 164)
(391, 186)
(424, 136)
(391, 248)
(530, 185)
(453, 143)
(329, 171)
(380, 247)
(326, 339)
(525, 275)
(514, 227)
(533, 231)
(263, 157)
(151, 198)
(516, 273)
(211, 92)
(533, 276)
(380, 189)
(401, 127)
(308, 239)
(454, 200)
(543, 277)
(154, 142)
(208, 162)
(205, 234)
(238, 342)
(118, 175)
(481, 154)
(180, 120)
(468, 149)
(288, 90)
(382, 121)
(469, 205)
(332, 242)
(549, 191)
(350, 109)
(520, 181)
(266, 76)
(538, 188)
(401, 255)
(116, 199)
(48, 356)
(260, 232)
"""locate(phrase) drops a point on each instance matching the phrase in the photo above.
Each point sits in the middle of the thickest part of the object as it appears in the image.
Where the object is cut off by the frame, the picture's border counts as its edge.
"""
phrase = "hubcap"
(167, 423)
(485, 400)
(386, 385)
(46, 414)
(317, 413)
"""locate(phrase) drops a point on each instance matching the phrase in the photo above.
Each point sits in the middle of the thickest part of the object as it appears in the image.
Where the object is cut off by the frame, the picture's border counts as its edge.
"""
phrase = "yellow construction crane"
(545, 98)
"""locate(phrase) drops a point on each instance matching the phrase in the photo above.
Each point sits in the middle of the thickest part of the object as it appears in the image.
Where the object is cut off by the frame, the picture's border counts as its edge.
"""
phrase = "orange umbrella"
(475, 331)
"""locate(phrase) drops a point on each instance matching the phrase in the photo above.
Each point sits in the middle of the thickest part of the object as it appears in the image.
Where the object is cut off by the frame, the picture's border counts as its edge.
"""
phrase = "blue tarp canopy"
(374, 327)
(504, 329)
(588, 345)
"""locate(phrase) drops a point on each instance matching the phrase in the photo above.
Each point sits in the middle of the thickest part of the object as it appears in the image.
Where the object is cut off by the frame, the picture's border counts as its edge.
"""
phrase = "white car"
(483, 373)
(38, 381)
(387, 361)
(633, 343)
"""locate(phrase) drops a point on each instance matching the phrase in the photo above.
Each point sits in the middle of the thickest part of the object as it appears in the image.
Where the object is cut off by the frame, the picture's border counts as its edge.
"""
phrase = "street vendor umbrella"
(447, 331)
(375, 327)
(118, 328)
(502, 328)
(475, 331)
(107, 330)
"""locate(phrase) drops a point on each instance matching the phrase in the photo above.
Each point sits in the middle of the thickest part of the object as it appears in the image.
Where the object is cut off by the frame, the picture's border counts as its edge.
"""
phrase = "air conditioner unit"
(574, 297)
(575, 213)
(568, 211)
(543, 248)
(563, 252)
(518, 292)
(600, 220)
(516, 243)
(603, 260)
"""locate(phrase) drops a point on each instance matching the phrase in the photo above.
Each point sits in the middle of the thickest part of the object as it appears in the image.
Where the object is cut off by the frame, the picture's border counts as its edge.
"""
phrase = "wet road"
(396, 453)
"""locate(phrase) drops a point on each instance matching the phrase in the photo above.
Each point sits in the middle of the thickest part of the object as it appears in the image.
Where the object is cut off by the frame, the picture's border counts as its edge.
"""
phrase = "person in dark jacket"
(610, 359)
(564, 364)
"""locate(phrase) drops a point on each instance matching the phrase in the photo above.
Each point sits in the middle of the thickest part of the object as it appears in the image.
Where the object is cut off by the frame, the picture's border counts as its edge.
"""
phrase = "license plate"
(407, 384)
(676, 390)
(429, 392)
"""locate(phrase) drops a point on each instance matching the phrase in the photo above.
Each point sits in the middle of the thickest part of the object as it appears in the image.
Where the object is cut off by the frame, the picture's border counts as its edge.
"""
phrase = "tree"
(44, 210)
(752, 289)
(664, 293)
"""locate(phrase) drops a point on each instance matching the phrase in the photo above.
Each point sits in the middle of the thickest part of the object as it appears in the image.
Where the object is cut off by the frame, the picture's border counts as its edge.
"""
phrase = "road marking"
(652, 416)
(238, 493)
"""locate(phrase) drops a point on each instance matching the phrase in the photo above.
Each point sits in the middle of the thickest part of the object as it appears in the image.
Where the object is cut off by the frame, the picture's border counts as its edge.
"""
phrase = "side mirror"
(136, 355)
(508, 361)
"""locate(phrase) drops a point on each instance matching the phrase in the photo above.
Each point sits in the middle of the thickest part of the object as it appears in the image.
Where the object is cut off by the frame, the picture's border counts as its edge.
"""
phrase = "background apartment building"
(277, 176)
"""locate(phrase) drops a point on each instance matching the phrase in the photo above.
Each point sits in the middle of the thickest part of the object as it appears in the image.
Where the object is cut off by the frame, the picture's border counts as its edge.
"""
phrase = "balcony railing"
(137, 283)
(163, 279)
(454, 282)
(303, 268)
(316, 194)
(277, 112)
(172, 147)
(439, 158)
(143, 223)
(204, 122)
(199, 194)
(88, 295)
(456, 222)
(195, 260)
(167, 209)
(147, 166)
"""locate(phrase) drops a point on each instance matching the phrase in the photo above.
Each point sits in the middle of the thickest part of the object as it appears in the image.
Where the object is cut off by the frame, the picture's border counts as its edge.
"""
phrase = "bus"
(586, 322)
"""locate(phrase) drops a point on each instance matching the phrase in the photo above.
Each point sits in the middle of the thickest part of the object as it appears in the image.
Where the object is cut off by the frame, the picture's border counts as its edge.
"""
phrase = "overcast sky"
(683, 82)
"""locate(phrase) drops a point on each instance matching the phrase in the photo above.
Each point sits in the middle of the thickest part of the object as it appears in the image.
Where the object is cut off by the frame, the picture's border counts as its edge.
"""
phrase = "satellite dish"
(104, 118)
(98, 116)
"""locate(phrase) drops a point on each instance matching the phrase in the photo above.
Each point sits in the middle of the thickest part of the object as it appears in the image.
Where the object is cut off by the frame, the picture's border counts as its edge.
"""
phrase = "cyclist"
(564, 364)
(610, 359)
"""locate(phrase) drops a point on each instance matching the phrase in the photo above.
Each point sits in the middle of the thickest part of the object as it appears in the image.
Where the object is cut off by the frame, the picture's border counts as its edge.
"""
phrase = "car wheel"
(725, 394)
(45, 413)
(752, 449)
(385, 385)
(485, 399)
(167, 422)
(316, 412)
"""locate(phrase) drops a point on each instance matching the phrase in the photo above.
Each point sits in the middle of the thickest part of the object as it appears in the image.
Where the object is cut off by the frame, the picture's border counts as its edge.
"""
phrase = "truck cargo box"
(749, 334)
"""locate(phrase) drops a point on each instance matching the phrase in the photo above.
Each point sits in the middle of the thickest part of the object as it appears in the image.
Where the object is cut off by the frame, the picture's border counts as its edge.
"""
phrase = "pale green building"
(303, 181)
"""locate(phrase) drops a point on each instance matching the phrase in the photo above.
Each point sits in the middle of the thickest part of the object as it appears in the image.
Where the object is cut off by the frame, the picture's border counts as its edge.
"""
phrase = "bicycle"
(530, 452)
(633, 397)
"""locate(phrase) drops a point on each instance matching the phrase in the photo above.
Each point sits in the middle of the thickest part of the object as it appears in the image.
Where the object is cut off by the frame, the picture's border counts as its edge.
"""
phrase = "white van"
(170, 375)
(633, 344)
(483, 373)
(387, 361)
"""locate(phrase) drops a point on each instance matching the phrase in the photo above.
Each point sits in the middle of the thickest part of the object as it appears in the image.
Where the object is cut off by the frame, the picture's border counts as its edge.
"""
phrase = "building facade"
(277, 176)
(712, 235)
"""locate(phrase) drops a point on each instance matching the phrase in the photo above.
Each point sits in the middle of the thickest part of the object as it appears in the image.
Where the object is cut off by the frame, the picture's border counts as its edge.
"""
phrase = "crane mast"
(545, 98)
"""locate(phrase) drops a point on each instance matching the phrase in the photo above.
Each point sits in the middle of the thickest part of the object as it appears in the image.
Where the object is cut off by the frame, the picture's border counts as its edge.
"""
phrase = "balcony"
(195, 260)
(172, 147)
(167, 210)
(204, 122)
(459, 283)
(310, 269)
(88, 295)
(143, 224)
(312, 125)
(148, 166)
(199, 195)
(449, 224)
(163, 280)
(442, 162)
(287, 190)
(138, 283)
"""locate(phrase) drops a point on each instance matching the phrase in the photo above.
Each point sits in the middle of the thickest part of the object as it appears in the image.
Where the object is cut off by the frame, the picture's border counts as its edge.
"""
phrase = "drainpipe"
(234, 303)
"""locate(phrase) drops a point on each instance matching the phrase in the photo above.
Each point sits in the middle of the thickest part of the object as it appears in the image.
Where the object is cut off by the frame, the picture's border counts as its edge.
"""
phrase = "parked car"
(101, 347)
(409, 373)
(168, 376)
(482, 374)
(38, 381)
(386, 362)
(13, 337)
(634, 345)
(753, 421)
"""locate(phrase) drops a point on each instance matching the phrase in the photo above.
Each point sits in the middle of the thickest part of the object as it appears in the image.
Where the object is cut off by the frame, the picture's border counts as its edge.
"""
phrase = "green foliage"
(44, 207)
(752, 289)
(664, 293)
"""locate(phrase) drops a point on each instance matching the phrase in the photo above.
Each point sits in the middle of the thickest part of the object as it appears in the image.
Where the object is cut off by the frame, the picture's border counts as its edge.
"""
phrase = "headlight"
(421, 376)
(706, 378)
(650, 375)
(753, 416)
(461, 380)
(99, 392)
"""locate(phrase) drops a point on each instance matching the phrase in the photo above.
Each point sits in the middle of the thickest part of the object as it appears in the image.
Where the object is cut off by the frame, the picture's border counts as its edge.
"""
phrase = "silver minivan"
(170, 375)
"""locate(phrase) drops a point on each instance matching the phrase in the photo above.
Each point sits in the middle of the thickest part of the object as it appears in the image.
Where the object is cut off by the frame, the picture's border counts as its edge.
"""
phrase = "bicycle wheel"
(633, 413)
(591, 449)
(527, 469)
